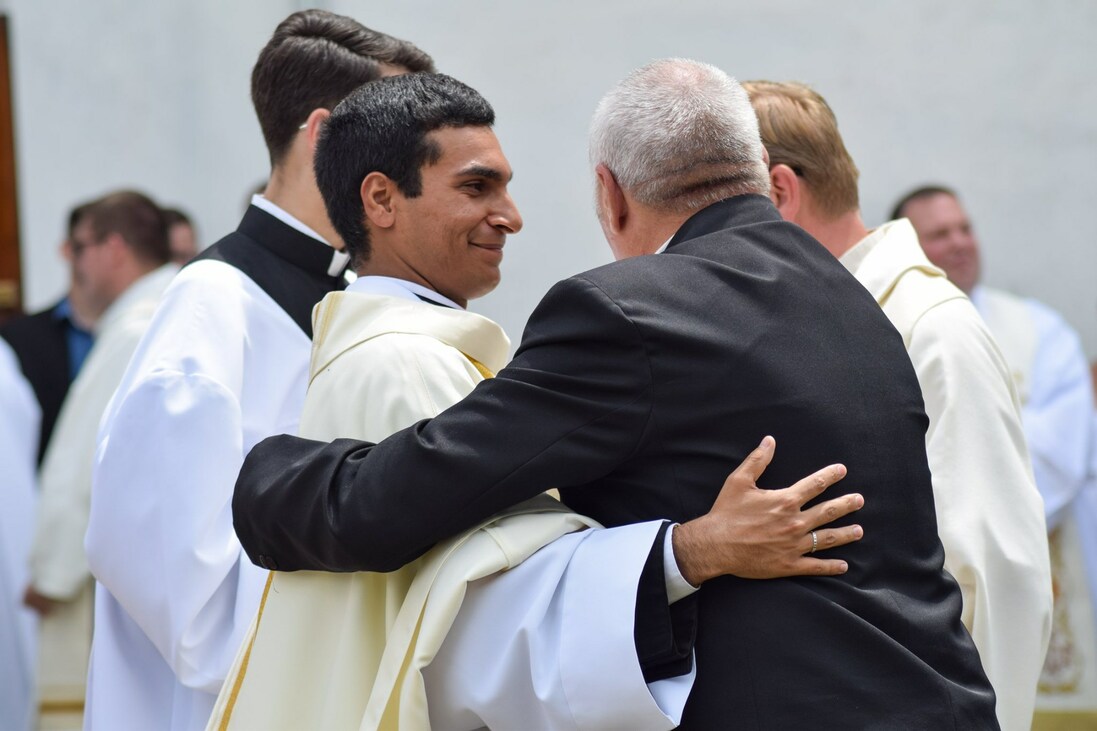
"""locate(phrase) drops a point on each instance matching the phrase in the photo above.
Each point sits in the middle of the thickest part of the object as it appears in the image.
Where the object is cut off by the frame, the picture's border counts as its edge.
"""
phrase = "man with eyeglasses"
(51, 345)
(120, 258)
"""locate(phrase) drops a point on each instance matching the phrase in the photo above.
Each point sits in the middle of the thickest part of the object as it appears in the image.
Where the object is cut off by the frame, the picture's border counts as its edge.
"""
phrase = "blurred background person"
(124, 267)
(51, 345)
(19, 416)
(182, 236)
(1053, 382)
(40, 356)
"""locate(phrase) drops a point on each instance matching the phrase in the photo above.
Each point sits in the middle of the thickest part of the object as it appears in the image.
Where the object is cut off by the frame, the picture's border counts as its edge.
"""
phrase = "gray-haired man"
(636, 387)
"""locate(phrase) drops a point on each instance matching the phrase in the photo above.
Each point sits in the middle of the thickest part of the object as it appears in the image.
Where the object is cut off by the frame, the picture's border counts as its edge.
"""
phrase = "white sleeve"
(549, 644)
(1059, 413)
(677, 586)
(19, 421)
(160, 538)
(989, 513)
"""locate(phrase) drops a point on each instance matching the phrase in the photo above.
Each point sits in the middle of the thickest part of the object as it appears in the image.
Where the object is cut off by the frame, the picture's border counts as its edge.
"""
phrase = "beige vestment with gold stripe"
(334, 651)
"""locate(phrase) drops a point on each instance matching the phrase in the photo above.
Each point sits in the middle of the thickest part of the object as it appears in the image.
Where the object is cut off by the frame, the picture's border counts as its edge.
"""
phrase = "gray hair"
(679, 135)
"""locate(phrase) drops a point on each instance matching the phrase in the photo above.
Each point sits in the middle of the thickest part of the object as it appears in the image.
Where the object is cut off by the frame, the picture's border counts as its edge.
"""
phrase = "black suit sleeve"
(664, 633)
(572, 405)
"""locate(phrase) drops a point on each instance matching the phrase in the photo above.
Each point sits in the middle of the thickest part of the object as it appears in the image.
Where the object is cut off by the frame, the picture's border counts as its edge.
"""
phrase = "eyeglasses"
(78, 247)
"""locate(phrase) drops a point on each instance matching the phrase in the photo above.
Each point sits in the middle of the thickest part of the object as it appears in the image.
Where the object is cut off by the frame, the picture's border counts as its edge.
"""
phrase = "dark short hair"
(138, 220)
(77, 214)
(382, 127)
(173, 216)
(313, 60)
(925, 191)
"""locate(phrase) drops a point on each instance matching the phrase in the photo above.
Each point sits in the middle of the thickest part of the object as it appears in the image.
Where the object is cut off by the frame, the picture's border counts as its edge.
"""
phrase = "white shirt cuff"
(677, 586)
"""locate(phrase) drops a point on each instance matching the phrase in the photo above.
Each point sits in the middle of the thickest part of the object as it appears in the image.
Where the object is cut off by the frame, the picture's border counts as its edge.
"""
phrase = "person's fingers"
(832, 510)
(814, 484)
(832, 538)
(756, 462)
(817, 567)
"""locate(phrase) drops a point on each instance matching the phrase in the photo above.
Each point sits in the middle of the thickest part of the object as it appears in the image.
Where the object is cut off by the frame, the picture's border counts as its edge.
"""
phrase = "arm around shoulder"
(572, 403)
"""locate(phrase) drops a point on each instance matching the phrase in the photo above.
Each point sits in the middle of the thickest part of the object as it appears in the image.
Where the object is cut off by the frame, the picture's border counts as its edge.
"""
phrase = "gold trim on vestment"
(1064, 720)
(1065, 661)
(247, 656)
(484, 370)
(61, 707)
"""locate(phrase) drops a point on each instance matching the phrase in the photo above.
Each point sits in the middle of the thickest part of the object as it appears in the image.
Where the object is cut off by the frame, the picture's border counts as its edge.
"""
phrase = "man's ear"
(314, 124)
(611, 200)
(785, 191)
(378, 192)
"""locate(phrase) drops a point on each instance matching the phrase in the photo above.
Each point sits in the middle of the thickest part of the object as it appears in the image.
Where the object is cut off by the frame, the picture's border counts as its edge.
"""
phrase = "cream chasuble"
(989, 514)
(347, 651)
(1067, 697)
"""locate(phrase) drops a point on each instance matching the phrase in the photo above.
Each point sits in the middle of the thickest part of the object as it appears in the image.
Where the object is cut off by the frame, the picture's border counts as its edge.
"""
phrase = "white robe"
(19, 420)
(989, 513)
(521, 658)
(221, 367)
(59, 567)
(1049, 367)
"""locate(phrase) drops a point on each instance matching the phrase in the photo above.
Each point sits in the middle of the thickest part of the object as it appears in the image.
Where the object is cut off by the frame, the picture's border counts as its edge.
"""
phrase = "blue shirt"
(78, 340)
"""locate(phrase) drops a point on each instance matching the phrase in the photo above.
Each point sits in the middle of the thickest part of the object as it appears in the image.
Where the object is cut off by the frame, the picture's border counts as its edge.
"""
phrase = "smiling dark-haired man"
(224, 363)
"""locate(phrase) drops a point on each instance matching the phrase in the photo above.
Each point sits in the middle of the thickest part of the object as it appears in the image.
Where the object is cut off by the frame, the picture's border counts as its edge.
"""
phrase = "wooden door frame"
(11, 278)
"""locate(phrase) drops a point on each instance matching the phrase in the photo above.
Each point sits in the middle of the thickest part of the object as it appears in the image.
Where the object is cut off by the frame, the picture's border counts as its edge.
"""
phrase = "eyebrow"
(483, 171)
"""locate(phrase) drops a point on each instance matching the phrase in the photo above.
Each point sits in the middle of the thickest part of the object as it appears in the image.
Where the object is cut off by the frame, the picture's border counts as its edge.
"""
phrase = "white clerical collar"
(393, 287)
(663, 248)
(339, 259)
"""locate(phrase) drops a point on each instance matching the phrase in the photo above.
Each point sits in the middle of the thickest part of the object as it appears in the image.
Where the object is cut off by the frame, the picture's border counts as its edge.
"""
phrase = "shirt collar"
(339, 259)
(393, 287)
(62, 310)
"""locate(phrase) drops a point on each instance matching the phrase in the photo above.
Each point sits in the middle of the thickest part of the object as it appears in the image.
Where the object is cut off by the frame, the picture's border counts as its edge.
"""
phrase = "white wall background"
(994, 97)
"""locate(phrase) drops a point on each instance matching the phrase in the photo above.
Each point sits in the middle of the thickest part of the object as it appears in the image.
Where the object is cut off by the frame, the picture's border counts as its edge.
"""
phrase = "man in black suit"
(637, 385)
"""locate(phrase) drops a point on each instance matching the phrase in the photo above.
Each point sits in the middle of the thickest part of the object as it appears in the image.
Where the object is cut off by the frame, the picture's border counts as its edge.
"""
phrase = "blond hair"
(799, 130)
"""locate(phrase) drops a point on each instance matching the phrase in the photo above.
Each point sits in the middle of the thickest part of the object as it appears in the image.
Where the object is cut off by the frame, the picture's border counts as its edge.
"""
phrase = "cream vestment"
(1051, 374)
(352, 651)
(989, 513)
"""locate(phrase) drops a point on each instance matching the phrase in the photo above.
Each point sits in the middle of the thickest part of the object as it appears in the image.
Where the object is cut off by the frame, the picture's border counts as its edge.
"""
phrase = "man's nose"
(958, 240)
(506, 218)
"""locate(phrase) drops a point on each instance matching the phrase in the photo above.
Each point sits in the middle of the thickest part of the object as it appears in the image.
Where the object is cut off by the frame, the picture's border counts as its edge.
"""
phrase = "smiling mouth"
(494, 248)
